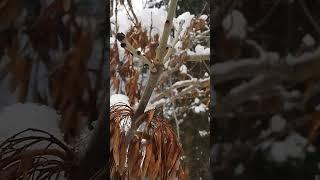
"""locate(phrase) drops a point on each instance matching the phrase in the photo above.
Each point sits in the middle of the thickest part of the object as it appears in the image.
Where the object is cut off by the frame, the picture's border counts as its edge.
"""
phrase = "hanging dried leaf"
(154, 152)
(132, 88)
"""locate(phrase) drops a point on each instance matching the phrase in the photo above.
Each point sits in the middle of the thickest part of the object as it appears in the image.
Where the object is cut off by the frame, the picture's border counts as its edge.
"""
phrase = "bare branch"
(194, 83)
(309, 16)
(131, 9)
(196, 58)
(126, 45)
(174, 42)
(166, 31)
(294, 69)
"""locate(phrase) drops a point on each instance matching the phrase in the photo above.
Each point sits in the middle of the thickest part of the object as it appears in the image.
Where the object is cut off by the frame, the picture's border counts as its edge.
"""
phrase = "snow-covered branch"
(188, 85)
(197, 58)
(293, 69)
(126, 45)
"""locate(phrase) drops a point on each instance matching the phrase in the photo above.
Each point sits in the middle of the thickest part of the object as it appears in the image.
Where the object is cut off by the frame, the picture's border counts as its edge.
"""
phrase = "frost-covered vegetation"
(266, 79)
(51, 75)
(181, 94)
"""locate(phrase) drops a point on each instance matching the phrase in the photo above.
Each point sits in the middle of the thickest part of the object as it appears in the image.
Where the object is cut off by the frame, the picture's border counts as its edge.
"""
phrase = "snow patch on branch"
(18, 117)
(235, 25)
(119, 98)
(291, 147)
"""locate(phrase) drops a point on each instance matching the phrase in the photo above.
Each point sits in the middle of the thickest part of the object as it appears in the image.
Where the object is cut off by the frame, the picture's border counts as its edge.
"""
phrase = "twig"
(174, 107)
(205, 57)
(181, 84)
(116, 14)
(309, 16)
(126, 45)
(131, 19)
(131, 9)
(266, 17)
(203, 9)
(151, 24)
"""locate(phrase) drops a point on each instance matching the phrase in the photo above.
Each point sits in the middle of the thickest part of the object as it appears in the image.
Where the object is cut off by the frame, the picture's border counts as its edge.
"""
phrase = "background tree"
(265, 79)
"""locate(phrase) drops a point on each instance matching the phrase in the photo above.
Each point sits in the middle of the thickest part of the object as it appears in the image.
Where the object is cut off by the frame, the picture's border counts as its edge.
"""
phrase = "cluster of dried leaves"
(36, 157)
(153, 152)
(58, 40)
(125, 73)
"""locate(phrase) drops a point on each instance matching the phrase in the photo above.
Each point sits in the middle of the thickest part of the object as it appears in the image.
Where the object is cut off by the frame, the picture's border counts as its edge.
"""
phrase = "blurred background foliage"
(245, 145)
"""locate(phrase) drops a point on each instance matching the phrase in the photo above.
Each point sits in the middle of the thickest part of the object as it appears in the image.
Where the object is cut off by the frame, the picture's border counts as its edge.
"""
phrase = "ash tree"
(155, 78)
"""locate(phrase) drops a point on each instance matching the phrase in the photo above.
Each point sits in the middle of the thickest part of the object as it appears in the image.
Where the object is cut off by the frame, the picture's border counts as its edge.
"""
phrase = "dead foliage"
(153, 152)
(123, 72)
(35, 154)
(63, 42)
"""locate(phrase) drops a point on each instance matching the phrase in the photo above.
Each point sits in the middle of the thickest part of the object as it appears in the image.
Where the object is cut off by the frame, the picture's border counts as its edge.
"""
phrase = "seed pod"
(120, 36)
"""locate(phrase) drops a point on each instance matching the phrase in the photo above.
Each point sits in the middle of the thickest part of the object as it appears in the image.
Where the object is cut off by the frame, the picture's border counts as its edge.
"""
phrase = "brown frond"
(132, 88)
(69, 83)
(20, 68)
(153, 152)
(29, 156)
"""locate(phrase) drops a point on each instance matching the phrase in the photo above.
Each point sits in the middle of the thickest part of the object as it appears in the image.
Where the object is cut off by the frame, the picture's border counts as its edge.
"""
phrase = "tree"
(265, 80)
(137, 121)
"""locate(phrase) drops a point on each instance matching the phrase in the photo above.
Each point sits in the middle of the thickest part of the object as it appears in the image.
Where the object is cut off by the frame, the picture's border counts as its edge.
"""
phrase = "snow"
(203, 17)
(203, 133)
(143, 153)
(186, 17)
(307, 56)
(235, 25)
(308, 40)
(277, 123)
(141, 127)
(201, 50)
(196, 100)
(144, 15)
(239, 169)
(125, 123)
(183, 69)
(153, 105)
(273, 57)
(292, 147)
(18, 117)
(226, 67)
(311, 148)
(200, 108)
(119, 98)
(265, 133)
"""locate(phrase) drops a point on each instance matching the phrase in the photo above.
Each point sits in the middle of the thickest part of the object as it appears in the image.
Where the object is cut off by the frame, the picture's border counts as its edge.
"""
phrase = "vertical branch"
(166, 31)
(111, 8)
(154, 75)
(309, 16)
(155, 72)
(131, 9)
(116, 14)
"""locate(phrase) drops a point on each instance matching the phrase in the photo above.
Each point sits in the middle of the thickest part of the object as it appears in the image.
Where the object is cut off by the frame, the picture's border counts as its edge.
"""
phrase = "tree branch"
(161, 51)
